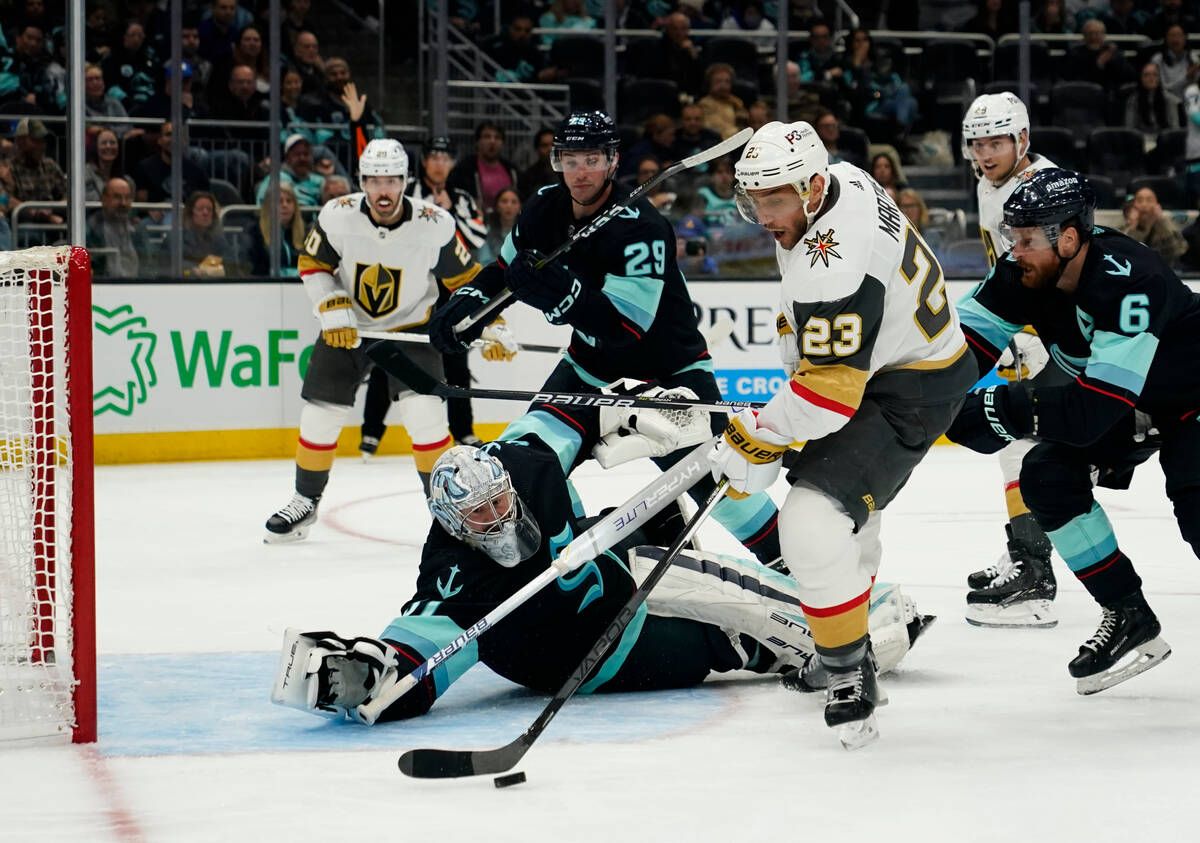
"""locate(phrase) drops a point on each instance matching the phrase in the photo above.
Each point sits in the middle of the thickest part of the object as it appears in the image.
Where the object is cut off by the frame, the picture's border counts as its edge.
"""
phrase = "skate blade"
(298, 534)
(1028, 614)
(858, 733)
(1153, 652)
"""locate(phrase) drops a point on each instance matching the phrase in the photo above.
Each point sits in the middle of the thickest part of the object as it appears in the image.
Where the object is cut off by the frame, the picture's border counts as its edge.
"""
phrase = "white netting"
(36, 680)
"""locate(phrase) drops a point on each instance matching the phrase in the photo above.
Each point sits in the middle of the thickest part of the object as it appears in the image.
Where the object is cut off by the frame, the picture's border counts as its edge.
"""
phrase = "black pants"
(458, 410)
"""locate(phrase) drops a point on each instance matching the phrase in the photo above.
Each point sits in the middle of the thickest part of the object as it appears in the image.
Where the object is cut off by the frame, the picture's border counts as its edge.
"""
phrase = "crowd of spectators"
(874, 103)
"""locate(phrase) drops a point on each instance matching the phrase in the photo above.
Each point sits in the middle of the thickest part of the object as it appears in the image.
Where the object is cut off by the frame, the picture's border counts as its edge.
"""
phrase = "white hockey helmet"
(383, 157)
(780, 154)
(991, 115)
(471, 495)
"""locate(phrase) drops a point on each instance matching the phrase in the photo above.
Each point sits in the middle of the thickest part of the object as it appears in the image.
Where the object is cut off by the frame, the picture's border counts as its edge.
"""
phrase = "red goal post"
(47, 585)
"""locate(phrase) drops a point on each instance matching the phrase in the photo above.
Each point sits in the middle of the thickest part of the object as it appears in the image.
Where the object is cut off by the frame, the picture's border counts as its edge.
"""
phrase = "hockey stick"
(724, 147)
(615, 527)
(452, 763)
(398, 364)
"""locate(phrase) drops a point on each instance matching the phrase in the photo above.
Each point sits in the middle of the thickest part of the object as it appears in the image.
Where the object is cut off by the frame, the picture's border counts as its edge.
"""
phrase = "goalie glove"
(748, 456)
(499, 343)
(323, 673)
(630, 433)
(339, 328)
(789, 346)
(1031, 355)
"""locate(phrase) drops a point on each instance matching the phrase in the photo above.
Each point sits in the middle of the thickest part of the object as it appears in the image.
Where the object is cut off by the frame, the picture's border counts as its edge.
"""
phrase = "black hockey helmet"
(585, 130)
(1052, 199)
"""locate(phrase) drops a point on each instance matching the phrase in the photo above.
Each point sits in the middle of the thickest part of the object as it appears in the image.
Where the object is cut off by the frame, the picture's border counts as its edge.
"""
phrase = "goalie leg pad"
(325, 674)
(739, 596)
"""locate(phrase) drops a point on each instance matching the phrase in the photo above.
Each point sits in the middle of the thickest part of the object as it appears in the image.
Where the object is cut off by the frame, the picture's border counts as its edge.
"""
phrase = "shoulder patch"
(428, 212)
(822, 247)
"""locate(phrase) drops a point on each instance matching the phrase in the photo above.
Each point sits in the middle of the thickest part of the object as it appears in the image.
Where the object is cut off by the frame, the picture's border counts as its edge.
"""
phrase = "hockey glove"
(629, 433)
(749, 456)
(339, 328)
(789, 346)
(1031, 355)
(499, 342)
(551, 289)
(991, 418)
(465, 301)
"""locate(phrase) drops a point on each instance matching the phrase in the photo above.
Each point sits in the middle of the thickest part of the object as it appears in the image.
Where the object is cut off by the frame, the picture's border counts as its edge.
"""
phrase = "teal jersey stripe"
(743, 518)
(576, 502)
(988, 325)
(560, 437)
(1085, 539)
(429, 633)
(508, 251)
(635, 297)
(1122, 360)
(705, 365)
(613, 663)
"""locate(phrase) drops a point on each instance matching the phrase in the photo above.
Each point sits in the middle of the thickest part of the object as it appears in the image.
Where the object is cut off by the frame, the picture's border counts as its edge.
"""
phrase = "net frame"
(51, 688)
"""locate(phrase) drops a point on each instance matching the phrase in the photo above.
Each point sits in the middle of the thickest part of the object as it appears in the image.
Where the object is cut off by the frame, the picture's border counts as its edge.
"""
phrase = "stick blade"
(456, 763)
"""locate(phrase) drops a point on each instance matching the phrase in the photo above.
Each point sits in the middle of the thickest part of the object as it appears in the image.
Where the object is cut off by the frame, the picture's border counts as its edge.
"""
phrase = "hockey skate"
(850, 703)
(1127, 642)
(292, 523)
(368, 446)
(1024, 530)
(1023, 590)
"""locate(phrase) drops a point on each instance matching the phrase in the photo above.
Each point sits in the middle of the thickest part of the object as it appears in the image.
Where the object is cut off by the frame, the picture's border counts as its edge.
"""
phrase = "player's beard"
(392, 213)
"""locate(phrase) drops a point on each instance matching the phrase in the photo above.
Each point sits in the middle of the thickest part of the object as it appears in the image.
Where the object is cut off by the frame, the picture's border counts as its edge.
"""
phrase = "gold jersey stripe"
(842, 385)
(930, 365)
(308, 264)
(454, 282)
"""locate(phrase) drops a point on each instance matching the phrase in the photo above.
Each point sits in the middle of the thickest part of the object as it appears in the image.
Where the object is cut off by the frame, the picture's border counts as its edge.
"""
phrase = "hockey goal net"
(47, 623)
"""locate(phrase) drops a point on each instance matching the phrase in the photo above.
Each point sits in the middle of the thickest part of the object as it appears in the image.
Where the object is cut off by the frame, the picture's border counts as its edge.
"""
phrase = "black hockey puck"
(509, 780)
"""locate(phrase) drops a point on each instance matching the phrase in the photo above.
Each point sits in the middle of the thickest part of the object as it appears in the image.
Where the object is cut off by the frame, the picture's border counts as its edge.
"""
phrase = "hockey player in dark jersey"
(1127, 330)
(502, 513)
(622, 292)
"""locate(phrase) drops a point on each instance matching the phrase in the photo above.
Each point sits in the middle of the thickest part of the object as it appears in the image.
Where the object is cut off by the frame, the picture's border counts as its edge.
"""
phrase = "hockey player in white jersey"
(878, 369)
(373, 260)
(1018, 590)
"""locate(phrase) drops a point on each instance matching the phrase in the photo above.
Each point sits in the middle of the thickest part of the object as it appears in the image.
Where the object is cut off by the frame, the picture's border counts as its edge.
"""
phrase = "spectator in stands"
(873, 87)
(289, 240)
(153, 174)
(297, 172)
(1172, 12)
(1096, 59)
(295, 21)
(335, 104)
(97, 102)
(325, 164)
(1191, 105)
(819, 62)
(802, 14)
(566, 14)
(1150, 109)
(676, 58)
(647, 167)
(290, 88)
(720, 208)
(132, 71)
(1178, 64)
(746, 17)
(658, 141)
(691, 247)
(692, 135)
(485, 173)
(829, 131)
(189, 47)
(1051, 18)
(218, 30)
(306, 58)
(539, 172)
(885, 169)
(247, 50)
(206, 250)
(1146, 223)
(97, 38)
(119, 240)
(25, 82)
(103, 163)
(724, 112)
(7, 187)
(1121, 18)
(500, 221)
(516, 50)
(757, 114)
(334, 187)
(993, 18)
(238, 100)
(36, 178)
(159, 103)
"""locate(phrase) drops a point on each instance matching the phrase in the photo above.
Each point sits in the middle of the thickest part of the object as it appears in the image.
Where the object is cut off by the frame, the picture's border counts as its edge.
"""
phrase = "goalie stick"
(615, 527)
(398, 364)
(726, 146)
(453, 763)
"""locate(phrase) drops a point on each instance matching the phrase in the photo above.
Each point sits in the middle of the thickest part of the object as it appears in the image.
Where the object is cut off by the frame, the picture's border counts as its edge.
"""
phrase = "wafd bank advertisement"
(201, 370)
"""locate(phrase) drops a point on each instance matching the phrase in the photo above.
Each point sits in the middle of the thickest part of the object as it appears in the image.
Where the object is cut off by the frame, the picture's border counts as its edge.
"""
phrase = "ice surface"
(984, 739)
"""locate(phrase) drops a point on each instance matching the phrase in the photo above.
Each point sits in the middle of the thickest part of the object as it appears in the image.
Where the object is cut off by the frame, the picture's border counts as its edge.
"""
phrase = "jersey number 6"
(933, 313)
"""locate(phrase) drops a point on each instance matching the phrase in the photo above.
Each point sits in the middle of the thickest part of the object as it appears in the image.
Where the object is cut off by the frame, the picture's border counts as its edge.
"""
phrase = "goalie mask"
(471, 495)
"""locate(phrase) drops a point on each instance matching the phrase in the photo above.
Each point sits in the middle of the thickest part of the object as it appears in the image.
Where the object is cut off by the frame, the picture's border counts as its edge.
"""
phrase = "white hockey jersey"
(390, 272)
(862, 294)
(991, 206)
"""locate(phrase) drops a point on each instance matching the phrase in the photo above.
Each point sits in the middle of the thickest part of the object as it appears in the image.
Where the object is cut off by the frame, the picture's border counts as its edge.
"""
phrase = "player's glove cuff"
(339, 328)
(992, 418)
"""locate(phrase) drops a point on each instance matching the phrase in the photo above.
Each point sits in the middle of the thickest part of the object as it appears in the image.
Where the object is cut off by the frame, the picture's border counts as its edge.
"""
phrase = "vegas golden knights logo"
(376, 288)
